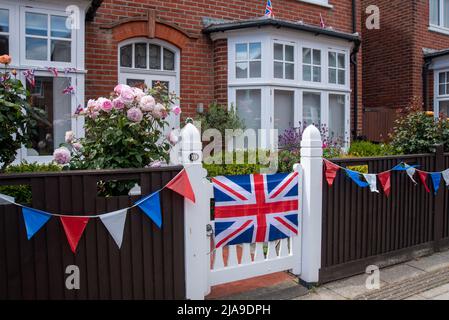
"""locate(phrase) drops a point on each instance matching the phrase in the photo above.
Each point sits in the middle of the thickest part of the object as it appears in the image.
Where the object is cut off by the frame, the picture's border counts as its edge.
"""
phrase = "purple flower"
(62, 155)
(176, 110)
(134, 114)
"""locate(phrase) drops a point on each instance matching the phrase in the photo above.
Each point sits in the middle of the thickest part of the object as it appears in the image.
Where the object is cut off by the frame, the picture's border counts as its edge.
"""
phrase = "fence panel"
(362, 228)
(150, 264)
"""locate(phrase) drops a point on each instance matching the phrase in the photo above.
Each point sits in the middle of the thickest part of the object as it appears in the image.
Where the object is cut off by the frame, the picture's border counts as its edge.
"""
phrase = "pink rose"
(91, 103)
(176, 110)
(77, 146)
(134, 114)
(147, 103)
(159, 111)
(138, 93)
(127, 94)
(69, 136)
(105, 104)
(118, 103)
(62, 155)
(118, 88)
(172, 138)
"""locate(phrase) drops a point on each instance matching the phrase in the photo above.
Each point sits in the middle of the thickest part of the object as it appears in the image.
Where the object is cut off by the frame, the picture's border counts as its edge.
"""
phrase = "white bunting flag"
(411, 172)
(445, 174)
(372, 181)
(6, 199)
(115, 223)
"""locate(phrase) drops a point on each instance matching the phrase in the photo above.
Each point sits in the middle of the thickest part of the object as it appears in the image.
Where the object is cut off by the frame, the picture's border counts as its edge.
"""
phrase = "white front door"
(150, 80)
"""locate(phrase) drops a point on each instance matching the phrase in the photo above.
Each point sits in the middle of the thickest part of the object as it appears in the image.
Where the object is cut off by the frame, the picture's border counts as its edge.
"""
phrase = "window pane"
(248, 106)
(136, 83)
(442, 77)
(434, 12)
(278, 51)
(442, 89)
(289, 71)
(126, 56)
(317, 57)
(140, 55)
(341, 61)
(311, 109)
(255, 68)
(332, 76)
(284, 110)
(336, 116)
(4, 20)
(316, 74)
(444, 108)
(332, 59)
(4, 45)
(241, 51)
(306, 56)
(59, 28)
(36, 24)
(278, 70)
(36, 49)
(255, 51)
(155, 56)
(341, 77)
(61, 50)
(289, 53)
(307, 73)
(169, 60)
(47, 95)
(241, 70)
(446, 13)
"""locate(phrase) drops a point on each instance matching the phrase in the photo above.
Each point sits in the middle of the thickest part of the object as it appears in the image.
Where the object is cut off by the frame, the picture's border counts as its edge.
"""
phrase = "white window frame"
(337, 68)
(312, 65)
(248, 60)
(48, 62)
(437, 96)
(322, 3)
(440, 26)
(284, 62)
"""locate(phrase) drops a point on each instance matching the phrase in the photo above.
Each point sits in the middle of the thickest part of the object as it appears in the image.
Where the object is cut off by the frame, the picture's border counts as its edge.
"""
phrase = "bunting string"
(370, 179)
(74, 225)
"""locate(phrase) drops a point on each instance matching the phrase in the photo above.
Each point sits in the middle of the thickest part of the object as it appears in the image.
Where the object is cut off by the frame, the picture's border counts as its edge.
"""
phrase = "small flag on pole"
(322, 24)
(269, 10)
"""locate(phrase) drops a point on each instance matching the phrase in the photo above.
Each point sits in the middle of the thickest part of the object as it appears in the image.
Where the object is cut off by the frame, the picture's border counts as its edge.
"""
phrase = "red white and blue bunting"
(114, 222)
(370, 179)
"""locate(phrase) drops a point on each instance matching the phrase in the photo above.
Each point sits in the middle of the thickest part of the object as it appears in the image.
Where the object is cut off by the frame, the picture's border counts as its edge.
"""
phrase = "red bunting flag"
(331, 172)
(181, 184)
(423, 178)
(385, 181)
(74, 228)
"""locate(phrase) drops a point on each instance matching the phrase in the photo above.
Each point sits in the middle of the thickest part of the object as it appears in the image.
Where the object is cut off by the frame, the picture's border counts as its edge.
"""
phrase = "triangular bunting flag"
(411, 172)
(7, 198)
(34, 220)
(115, 223)
(372, 181)
(445, 174)
(74, 228)
(423, 178)
(385, 181)
(151, 205)
(436, 180)
(330, 172)
(181, 184)
(355, 176)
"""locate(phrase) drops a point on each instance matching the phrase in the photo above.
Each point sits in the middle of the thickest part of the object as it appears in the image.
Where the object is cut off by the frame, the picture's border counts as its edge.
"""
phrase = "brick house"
(277, 72)
(407, 58)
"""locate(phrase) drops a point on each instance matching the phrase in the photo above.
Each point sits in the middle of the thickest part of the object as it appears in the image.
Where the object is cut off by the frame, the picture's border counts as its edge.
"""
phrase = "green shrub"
(220, 168)
(221, 118)
(22, 193)
(361, 149)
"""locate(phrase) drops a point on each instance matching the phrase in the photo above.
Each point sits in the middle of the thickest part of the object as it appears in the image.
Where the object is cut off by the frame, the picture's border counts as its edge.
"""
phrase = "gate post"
(312, 164)
(196, 216)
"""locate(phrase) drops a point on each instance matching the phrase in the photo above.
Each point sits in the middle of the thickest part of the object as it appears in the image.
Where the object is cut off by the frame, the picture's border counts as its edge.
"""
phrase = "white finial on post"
(191, 146)
(312, 164)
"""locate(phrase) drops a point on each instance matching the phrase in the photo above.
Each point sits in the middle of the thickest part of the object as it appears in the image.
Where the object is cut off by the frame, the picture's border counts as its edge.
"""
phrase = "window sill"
(318, 3)
(439, 29)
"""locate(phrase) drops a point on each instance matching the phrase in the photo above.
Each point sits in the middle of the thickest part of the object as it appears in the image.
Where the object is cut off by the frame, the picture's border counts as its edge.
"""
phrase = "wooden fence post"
(196, 216)
(312, 164)
(439, 201)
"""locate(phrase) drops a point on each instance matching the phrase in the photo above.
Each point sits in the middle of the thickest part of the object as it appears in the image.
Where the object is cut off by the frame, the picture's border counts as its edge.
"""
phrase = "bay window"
(337, 68)
(441, 99)
(249, 107)
(337, 116)
(439, 14)
(248, 60)
(284, 110)
(284, 61)
(311, 109)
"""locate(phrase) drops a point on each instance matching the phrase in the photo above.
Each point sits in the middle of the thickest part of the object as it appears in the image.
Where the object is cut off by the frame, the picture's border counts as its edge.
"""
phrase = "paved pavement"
(425, 278)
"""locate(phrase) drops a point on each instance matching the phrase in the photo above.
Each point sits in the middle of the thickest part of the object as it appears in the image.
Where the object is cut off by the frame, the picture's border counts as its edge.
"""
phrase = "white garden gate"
(206, 267)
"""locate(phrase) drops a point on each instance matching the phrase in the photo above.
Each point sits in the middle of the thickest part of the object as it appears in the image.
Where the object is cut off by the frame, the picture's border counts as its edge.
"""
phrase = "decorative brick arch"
(151, 27)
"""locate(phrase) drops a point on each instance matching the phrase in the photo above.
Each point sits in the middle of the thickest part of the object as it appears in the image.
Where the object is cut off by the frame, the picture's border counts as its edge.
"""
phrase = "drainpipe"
(354, 62)
(425, 79)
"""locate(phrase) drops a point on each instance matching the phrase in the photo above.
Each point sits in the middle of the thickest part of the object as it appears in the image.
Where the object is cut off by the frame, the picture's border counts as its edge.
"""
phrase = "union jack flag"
(269, 10)
(255, 208)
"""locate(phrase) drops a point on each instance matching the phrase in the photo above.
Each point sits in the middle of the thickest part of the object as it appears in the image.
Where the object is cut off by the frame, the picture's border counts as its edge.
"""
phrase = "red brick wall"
(203, 66)
(393, 58)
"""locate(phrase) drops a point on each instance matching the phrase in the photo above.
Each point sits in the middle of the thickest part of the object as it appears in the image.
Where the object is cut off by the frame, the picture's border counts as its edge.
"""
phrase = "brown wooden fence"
(361, 228)
(150, 264)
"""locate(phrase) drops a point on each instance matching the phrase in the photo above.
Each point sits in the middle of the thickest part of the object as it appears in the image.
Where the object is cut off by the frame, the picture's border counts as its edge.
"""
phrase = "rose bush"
(124, 130)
